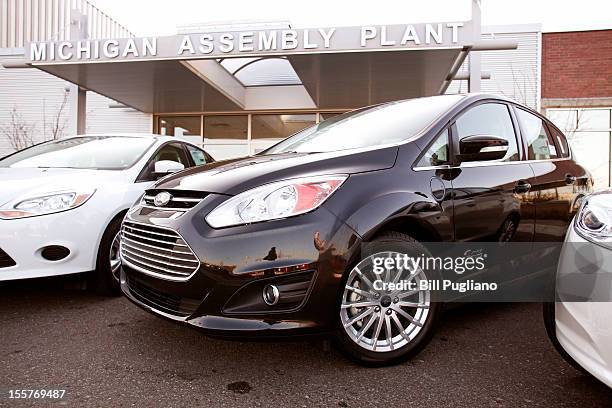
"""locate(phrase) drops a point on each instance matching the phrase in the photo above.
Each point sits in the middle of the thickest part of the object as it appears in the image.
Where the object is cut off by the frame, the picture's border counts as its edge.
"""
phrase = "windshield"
(87, 152)
(379, 125)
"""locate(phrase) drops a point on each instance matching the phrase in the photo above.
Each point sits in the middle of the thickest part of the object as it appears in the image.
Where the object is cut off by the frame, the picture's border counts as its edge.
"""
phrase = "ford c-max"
(271, 245)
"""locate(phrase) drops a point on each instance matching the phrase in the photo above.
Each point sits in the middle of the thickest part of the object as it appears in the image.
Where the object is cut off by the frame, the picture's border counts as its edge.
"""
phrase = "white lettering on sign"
(149, 47)
(186, 45)
(206, 43)
(252, 42)
(110, 49)
(130, 48)
(38, 51)
(327, 35)
(227, 43)
(410, 35)
(267, 41)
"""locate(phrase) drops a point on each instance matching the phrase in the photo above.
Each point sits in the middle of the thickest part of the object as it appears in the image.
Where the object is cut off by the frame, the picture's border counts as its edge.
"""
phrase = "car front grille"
(172, 304)
(6, 260)
(182, 200)
(156, 251)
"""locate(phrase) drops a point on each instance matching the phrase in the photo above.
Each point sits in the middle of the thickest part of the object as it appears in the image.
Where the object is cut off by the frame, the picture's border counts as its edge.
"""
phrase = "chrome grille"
(156, 251)
(182, 200)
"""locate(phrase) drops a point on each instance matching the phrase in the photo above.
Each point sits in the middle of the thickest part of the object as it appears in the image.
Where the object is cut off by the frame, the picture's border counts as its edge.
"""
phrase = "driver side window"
(171, 152)
(490, 119)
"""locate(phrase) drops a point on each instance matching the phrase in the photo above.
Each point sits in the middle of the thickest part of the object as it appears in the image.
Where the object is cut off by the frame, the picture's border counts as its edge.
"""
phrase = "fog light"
(270, 295)
(54, 252)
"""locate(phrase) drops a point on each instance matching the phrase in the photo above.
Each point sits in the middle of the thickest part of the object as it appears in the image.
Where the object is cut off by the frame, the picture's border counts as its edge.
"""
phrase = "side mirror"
(165, 167)
(482, 148)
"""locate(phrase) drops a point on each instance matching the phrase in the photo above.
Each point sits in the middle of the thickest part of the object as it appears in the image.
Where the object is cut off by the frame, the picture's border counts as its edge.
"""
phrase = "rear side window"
(490, 119)
(438, 152)
(198, 156)
(540, 145)
(563, 148)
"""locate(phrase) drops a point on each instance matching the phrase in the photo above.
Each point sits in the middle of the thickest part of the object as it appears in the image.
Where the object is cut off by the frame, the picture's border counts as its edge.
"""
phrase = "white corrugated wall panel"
(36, 96)
(101, 118)
(514, 73)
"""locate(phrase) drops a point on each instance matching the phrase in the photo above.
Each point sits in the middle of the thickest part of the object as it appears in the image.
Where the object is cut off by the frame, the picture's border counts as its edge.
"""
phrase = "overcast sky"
(161, 17)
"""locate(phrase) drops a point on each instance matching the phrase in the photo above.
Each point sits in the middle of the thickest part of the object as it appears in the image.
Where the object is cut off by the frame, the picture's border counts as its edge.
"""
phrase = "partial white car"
(580, 323)
(62, 202)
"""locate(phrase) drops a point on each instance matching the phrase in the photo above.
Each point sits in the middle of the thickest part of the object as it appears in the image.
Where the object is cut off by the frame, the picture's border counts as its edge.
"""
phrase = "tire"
(105, 279)
(359, 340)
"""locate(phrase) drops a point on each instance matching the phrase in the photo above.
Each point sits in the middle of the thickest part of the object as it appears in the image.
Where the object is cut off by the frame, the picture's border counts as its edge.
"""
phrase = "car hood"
(238, 175)
(32, 182)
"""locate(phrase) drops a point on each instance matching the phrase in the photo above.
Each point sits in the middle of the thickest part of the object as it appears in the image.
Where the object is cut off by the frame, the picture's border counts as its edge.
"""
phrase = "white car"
(62, 202)
(579, 324)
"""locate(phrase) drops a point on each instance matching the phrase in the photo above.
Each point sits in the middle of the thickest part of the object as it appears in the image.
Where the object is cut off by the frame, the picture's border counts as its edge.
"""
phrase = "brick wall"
(577, 64)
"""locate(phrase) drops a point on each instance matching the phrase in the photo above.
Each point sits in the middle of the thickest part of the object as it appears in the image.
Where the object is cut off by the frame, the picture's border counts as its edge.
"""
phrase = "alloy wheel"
(114, 258)
(383, 320)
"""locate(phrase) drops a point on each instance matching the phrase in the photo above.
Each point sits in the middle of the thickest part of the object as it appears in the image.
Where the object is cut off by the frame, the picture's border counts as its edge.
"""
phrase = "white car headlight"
(276, 200)
(594, 220)
(45, 204)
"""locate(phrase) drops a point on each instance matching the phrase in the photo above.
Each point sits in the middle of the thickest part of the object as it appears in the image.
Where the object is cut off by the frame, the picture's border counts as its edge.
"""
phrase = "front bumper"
(304, 256)
(584, 329)
(23, 240)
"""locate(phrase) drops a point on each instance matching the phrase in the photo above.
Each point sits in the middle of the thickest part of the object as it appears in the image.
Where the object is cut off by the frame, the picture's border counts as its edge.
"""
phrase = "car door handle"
(522, 186)
(570, 179)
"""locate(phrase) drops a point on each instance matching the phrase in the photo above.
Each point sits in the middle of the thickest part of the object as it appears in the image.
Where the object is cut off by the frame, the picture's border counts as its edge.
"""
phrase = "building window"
(267, 130)
(589, 134)
(183, 127)
(226, 136)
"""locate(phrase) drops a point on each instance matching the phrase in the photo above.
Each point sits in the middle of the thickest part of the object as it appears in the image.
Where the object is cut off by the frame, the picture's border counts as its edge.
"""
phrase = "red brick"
(577, 64)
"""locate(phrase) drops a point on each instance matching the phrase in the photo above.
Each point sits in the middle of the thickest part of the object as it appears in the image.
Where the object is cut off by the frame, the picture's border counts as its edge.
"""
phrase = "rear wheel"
(378, 326)
(105, 279)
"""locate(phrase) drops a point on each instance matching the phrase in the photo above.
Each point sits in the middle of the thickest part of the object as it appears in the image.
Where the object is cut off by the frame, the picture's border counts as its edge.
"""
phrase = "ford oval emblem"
(161, 199)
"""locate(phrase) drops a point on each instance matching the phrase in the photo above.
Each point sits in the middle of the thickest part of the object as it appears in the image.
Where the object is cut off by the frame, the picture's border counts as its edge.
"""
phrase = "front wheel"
(379, 325)
(105, 279)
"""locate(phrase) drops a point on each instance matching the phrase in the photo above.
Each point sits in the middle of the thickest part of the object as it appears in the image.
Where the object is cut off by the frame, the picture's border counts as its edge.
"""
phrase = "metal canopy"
(352, 80)
(333, 80)
(149, 86)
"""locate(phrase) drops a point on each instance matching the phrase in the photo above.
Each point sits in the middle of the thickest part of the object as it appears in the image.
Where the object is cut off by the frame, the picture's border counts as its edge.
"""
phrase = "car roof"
(154, 137)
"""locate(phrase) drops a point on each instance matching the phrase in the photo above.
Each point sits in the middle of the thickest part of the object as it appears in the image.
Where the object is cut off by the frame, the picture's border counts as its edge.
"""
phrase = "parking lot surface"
(107, 352)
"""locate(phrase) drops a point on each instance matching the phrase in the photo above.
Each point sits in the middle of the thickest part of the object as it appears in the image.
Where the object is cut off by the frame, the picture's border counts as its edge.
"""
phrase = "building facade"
(577, 95)
(36, 106)
(238, 88)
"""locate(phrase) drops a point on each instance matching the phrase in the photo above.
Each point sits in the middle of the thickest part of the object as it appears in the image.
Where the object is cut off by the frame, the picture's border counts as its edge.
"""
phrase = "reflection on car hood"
(234, 176)
(31, 182)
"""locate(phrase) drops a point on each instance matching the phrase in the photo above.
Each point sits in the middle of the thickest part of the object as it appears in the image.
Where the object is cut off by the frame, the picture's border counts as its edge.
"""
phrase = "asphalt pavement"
(107, 352)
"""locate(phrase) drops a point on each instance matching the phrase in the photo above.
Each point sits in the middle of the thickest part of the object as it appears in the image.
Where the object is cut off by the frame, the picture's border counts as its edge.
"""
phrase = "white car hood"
(32, 182)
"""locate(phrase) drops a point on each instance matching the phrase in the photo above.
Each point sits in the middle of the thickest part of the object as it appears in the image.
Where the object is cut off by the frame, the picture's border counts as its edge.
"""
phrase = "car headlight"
(274, 201)
(45, 204)
(594, 219)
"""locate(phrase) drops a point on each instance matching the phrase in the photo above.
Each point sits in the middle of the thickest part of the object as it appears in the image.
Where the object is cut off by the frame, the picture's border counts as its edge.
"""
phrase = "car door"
(491, 199)
(557, 181)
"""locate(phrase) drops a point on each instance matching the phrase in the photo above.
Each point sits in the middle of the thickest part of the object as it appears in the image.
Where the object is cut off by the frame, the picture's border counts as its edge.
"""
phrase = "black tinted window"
(539, 144)
(490, 119)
